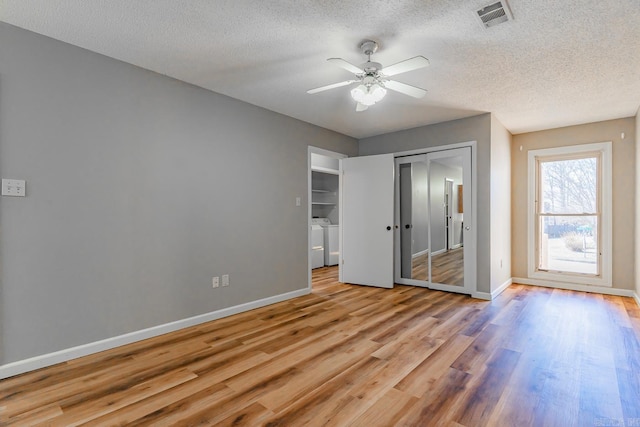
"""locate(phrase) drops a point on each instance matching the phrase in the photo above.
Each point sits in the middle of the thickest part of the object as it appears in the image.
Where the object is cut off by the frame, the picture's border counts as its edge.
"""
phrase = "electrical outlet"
(225, 280)
(13, 187)
(215, 282)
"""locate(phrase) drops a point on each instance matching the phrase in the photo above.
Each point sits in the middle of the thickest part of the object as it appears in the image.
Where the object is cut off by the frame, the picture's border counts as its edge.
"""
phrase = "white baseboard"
(489, 296)
(500, 289)
(637, 298)
(481, 295)
(37, 362)
(575, 287)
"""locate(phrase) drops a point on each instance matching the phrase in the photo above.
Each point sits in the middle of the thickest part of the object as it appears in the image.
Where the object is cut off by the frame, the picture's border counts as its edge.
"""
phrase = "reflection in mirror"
(414, 221)
(447, 220)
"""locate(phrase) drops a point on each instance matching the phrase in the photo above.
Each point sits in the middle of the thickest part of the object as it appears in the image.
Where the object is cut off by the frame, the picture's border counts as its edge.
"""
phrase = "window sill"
(572, 278)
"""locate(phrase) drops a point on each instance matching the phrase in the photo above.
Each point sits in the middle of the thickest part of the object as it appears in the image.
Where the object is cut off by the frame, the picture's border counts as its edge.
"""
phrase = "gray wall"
(477, 128)
(140, 188)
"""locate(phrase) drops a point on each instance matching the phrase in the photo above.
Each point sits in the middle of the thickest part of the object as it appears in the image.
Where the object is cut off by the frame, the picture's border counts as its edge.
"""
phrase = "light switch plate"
(13, 187)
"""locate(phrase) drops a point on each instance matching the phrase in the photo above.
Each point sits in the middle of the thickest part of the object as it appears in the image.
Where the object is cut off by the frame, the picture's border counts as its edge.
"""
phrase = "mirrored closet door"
(434, 246)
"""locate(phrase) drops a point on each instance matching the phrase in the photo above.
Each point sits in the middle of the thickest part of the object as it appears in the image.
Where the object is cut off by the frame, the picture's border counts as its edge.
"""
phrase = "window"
(569, 214)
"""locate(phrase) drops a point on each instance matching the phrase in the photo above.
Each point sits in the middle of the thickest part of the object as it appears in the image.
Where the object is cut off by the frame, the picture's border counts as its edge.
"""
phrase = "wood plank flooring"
(446, 268)
(361, 356)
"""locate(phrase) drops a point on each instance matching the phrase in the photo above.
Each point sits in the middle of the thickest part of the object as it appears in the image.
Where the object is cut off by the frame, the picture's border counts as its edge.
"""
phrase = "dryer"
(331, 242)
(317, 244)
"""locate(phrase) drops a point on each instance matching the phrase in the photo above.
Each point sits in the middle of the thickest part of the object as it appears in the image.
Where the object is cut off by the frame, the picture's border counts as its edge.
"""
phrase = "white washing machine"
(331, 243)
(317, 244)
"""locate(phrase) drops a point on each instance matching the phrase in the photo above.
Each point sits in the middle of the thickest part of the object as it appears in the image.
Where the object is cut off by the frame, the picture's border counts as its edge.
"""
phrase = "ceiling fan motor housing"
(371, 67)
(369, 47)
(369, 80)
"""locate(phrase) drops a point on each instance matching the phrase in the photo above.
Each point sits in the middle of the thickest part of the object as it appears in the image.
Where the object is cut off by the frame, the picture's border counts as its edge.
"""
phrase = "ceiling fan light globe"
(377, 92)
(368, 100)
(368, 95)
(359, 93)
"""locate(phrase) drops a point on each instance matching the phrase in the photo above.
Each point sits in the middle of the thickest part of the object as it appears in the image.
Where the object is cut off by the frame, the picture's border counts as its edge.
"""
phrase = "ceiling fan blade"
(333, 86)
(406, 65)
(361, 107)
(413, 91)
(346, 65)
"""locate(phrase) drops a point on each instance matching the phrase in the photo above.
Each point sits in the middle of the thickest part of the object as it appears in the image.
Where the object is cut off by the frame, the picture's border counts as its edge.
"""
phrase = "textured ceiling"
(558, 63)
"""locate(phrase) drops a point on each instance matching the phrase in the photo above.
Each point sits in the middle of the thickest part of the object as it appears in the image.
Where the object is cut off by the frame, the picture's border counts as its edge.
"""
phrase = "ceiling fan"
(373, 80)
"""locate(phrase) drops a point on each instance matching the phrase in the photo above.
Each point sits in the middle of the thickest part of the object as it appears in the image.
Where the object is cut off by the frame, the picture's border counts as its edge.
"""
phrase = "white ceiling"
(558, 63)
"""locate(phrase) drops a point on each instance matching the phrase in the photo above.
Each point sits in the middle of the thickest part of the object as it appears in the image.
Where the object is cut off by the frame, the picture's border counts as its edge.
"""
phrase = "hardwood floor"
(352, 355)
(420, 267)
(447, 267)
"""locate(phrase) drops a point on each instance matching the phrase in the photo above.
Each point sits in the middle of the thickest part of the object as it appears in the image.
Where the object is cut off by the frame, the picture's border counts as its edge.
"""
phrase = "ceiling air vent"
(494, 14)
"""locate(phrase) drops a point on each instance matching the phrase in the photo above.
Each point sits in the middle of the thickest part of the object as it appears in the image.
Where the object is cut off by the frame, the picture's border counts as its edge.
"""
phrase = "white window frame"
(605, 201)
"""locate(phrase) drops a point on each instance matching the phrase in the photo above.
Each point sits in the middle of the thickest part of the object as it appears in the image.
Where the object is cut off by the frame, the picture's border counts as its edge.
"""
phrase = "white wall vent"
(494, 14)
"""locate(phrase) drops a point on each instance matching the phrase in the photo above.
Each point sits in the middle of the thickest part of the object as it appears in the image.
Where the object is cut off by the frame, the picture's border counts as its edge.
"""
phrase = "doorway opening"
(323, 213)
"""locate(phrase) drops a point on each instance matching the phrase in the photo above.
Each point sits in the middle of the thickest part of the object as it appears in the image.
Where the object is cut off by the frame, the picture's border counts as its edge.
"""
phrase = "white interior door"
(367, 220)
